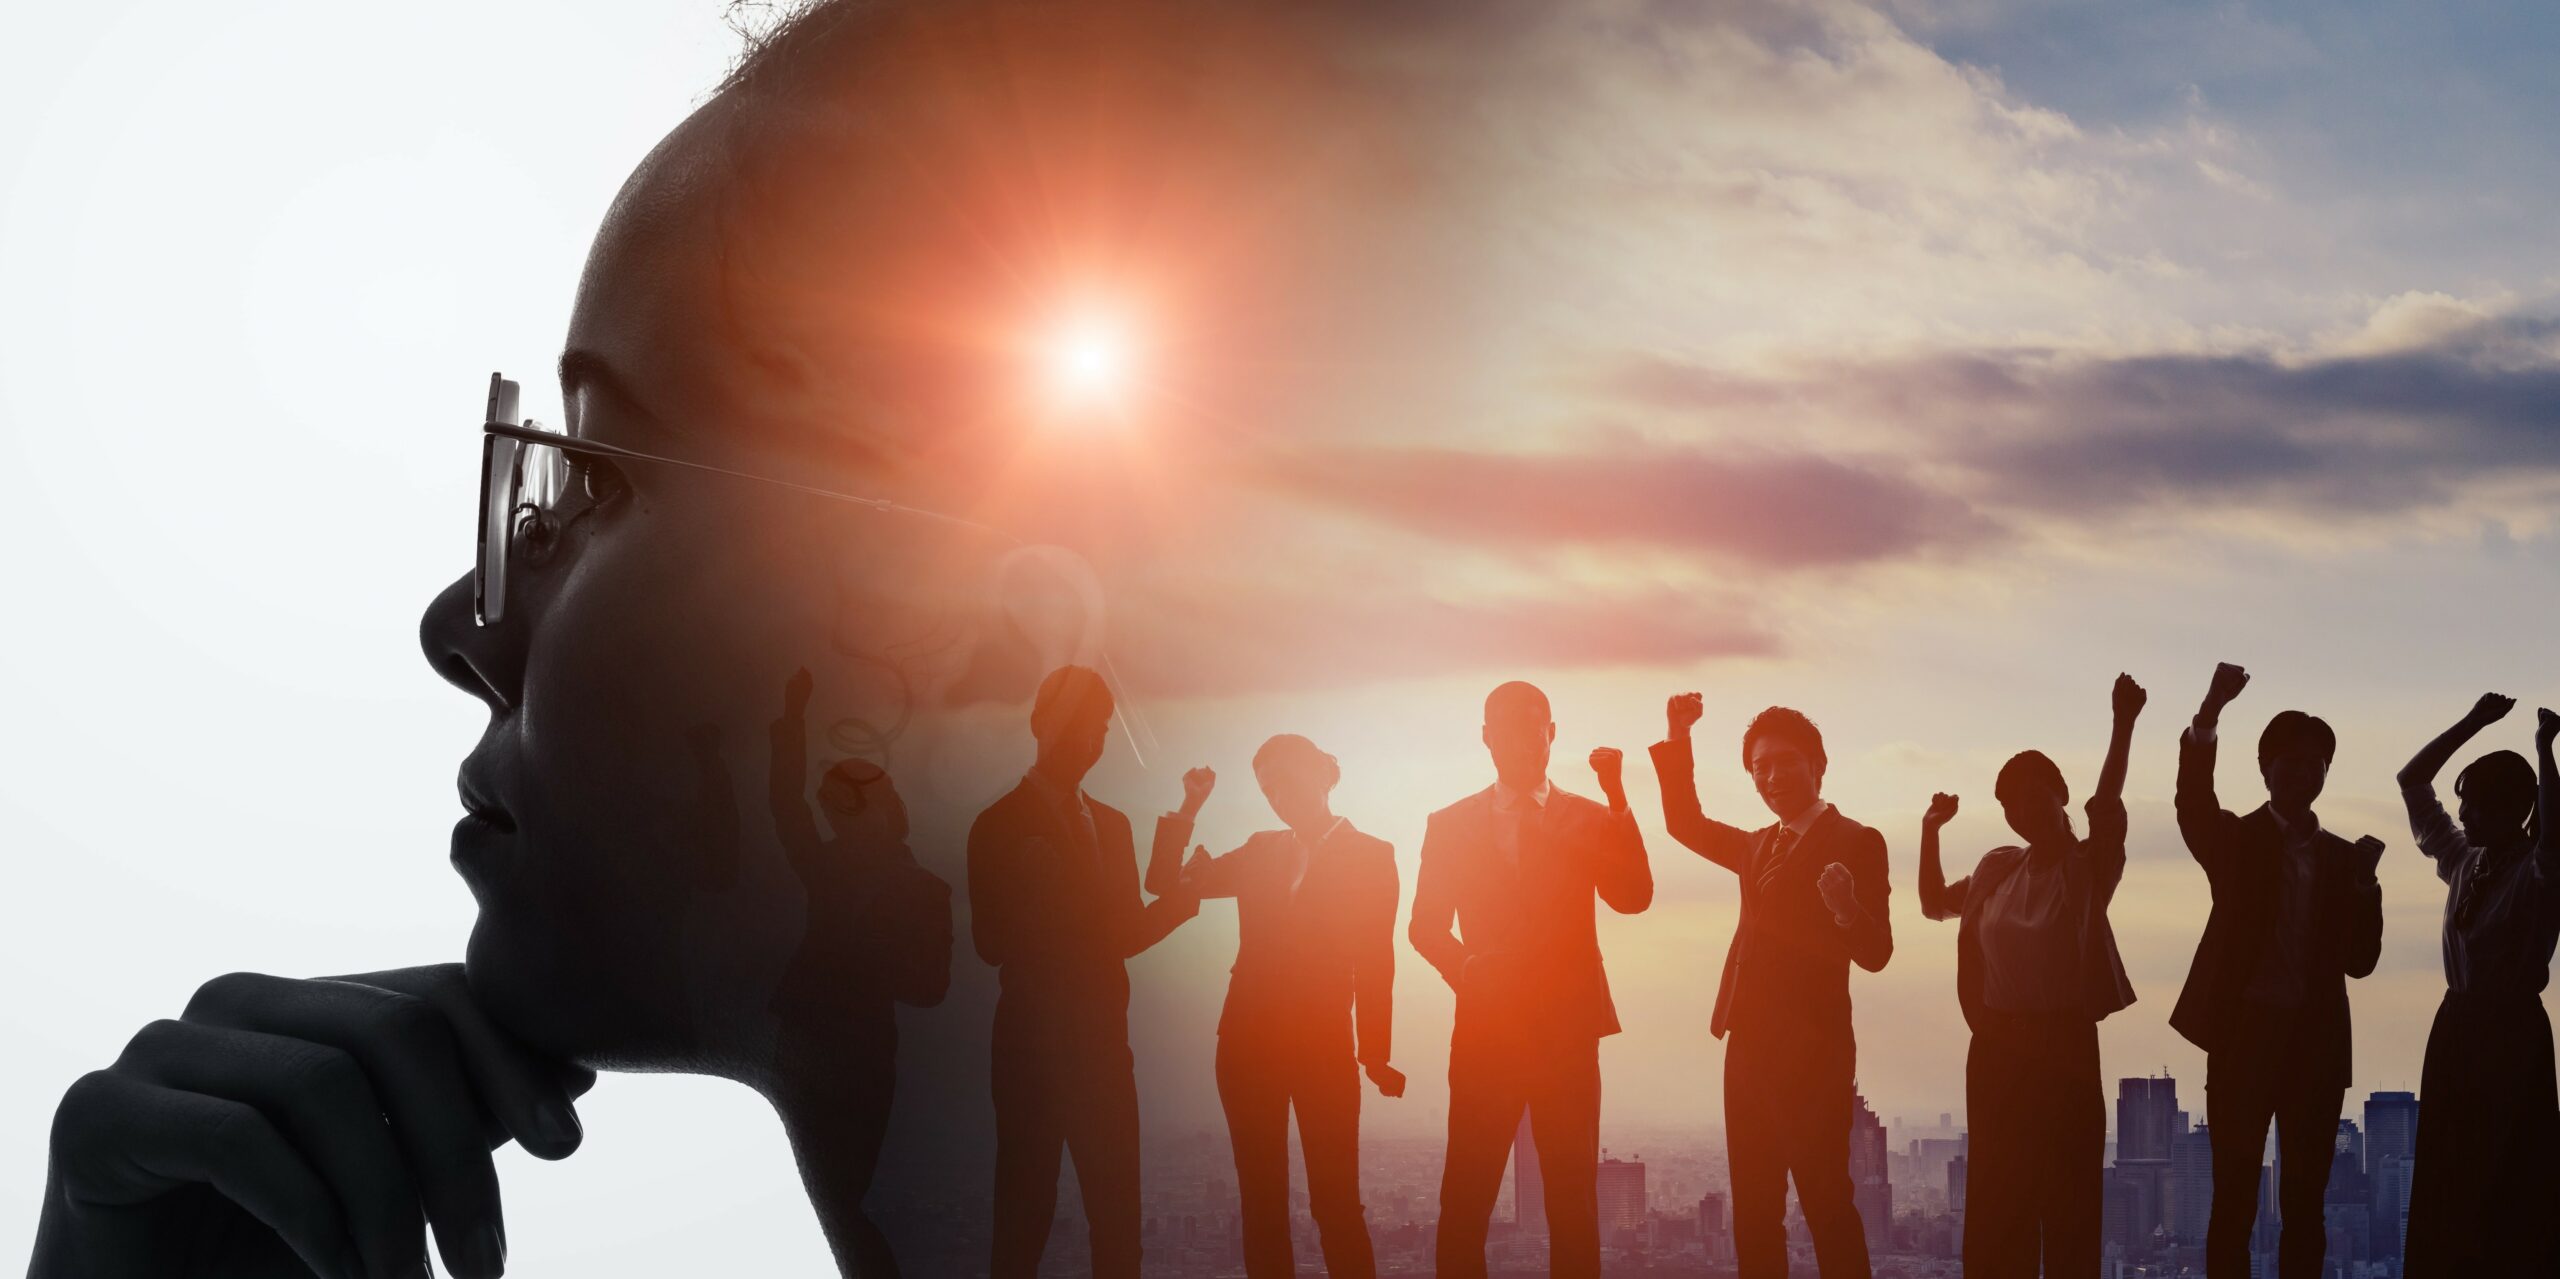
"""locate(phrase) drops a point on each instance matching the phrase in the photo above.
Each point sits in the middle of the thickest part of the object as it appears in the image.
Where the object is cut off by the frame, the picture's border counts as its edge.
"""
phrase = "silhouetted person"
(878, 933)
(1814, 892)
(2296, 911)
(1054, 905)
(2036, 971)
(2489, 1118)
(1516, 866)
(1310, 1001)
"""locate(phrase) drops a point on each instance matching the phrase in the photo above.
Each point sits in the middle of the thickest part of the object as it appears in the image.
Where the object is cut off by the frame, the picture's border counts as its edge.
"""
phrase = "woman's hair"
(2031, 772)
(2503, 779)
(1789, 726)
(1289, 750)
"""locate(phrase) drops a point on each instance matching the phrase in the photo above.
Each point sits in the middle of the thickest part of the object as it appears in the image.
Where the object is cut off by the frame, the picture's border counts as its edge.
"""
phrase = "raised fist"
(1683, 711)
(2129, 697)
(2228, 679)
(2546, 726)
(1196, 785)
(2491, 708)
(1942, 808)
(1608, 762)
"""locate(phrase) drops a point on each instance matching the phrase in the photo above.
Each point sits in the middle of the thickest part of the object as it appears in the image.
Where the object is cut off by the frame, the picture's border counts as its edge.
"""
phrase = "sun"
(1091, 359)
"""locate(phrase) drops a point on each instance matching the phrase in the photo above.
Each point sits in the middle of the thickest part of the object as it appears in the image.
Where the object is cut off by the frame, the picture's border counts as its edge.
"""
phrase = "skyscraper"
(1621, 1196)
(1528, 1185)
(1713, 1233)
(2390, 1160)
(2147, 1123)
(1871, 1186)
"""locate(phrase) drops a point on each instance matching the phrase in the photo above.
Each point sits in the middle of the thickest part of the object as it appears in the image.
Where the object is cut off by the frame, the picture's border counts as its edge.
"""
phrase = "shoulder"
(1006, 810)
(1105, 816)
(1850, 830)
(1465, 808)
(1579, 806)
(1367, 847)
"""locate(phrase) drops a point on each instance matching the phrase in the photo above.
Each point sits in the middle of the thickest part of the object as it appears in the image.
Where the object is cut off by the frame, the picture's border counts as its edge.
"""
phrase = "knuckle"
(155, 1037)
(407, 1021)
(89, 1100)
(228, 993)
(326, 1077)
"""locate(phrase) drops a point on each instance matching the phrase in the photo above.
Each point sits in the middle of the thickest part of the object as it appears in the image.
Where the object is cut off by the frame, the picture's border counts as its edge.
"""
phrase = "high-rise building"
(1870, 1184)
(2390, 1127)
(2390, 1160)
(1621, 1196)
(1528, 1184)
(2148, 1122)
(2189, 1197)
(1955, 1186)
(1714, 1234)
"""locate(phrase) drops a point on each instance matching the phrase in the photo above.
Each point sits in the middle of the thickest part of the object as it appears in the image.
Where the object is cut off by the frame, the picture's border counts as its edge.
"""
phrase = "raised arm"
(788, 779)
(1150, 921)
(1620, 870)
(2209, 828)
(2431, 758)
(2438, 838)
(1435, 908)
(2106, 805)
(1173, 830)
(1938, 898)
(1675, 767)
(2546, 800)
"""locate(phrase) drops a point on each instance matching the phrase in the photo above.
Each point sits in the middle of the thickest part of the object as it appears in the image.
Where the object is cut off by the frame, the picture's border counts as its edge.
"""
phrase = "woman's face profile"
(632, 902)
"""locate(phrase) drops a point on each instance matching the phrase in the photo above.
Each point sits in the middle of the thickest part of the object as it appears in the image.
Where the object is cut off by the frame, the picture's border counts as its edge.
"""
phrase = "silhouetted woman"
(2036, 970)
(2488, 1112)
(1310, 1003)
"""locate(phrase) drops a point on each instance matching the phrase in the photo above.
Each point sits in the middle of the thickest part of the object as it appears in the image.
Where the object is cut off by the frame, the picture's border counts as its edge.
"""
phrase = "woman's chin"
(566, 1009)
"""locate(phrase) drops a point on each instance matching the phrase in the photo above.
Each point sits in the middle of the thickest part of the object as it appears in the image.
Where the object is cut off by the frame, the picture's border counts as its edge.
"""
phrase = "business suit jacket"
(1789, 962)
(1525, 955)
(1305, 963)
(2240, 856)
(1059, 923)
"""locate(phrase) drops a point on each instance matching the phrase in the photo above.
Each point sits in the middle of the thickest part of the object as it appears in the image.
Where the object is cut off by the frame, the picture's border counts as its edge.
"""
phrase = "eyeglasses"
(534, 483)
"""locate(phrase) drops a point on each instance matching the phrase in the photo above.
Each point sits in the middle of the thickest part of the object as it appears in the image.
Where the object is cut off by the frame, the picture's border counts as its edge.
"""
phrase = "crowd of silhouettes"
(1504, 910)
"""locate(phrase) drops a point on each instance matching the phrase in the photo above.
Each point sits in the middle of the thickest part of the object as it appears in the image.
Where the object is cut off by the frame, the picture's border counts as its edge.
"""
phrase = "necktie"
(1775, 863)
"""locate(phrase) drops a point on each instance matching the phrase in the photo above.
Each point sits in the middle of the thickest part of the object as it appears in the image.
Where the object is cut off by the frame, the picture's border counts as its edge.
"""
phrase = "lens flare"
(1091, 359)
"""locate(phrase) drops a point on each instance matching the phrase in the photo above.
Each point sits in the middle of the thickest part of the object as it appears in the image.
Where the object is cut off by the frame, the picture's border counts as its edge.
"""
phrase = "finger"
(141, 1140)
(410, 1054)
(320, 1100)
(529, 1097)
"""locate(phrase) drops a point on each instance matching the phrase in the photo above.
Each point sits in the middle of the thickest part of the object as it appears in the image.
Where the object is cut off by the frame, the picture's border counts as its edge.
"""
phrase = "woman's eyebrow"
(582, 369)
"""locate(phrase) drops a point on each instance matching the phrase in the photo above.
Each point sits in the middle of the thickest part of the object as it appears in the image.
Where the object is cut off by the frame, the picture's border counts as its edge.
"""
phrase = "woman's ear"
(1045, 611)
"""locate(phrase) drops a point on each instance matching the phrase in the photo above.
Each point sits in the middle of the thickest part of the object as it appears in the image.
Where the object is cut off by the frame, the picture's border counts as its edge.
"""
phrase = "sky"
(1919, 365)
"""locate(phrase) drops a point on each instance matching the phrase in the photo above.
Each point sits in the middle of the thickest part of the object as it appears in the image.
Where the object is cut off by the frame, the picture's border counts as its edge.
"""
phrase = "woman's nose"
(484, 661)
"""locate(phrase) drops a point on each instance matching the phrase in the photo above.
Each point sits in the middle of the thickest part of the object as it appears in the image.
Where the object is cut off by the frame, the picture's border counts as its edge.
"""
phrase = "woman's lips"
(476, 802)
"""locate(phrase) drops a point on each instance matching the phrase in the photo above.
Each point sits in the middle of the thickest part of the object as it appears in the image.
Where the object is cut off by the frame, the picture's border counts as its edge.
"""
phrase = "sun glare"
(1090, 359)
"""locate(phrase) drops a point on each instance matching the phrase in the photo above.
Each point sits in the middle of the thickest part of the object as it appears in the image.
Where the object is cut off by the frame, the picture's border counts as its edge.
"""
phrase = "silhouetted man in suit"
(1813, 901)
(1516, 865)
(1054, 905)
(2296, 911)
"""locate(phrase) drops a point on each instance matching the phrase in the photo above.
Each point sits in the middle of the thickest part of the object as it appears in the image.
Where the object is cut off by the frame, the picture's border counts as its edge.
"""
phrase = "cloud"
(1762, 510)
(2420, 409)
(1338, 631)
